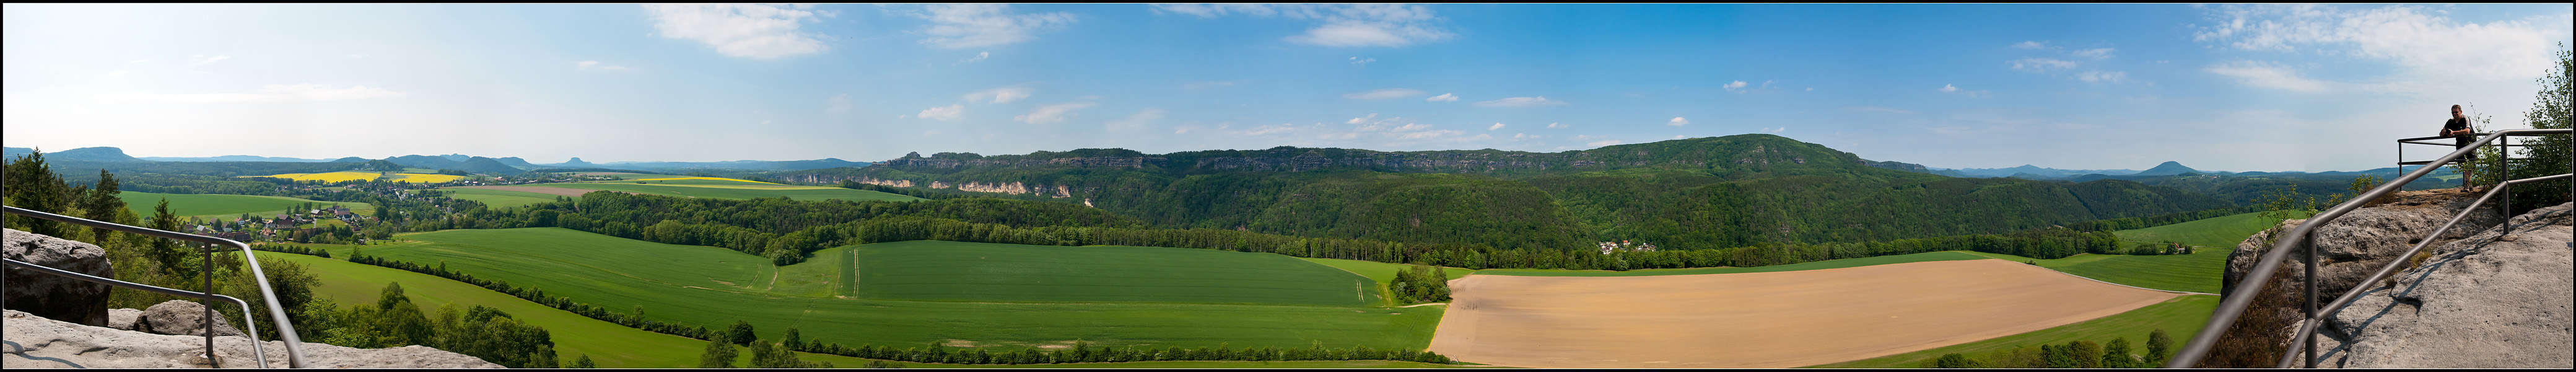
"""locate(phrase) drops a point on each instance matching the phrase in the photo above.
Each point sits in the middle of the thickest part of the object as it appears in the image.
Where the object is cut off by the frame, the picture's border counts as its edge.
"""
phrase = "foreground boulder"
(2499, 299)
(37, 342)
(56, 297)
(183, 318)
(2357, 244)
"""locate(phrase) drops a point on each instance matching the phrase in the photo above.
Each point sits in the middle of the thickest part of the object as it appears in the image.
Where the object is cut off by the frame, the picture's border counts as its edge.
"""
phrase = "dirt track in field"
(1763, 320)
(537, 189)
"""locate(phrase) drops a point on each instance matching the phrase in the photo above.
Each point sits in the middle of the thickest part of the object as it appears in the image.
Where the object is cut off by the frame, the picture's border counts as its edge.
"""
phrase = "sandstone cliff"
(36, 342)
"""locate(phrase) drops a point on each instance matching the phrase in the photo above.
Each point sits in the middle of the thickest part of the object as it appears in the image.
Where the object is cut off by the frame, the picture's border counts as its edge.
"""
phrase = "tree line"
(2073, 354)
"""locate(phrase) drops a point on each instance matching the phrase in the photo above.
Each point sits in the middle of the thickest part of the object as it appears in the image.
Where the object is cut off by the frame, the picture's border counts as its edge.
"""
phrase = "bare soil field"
(536, 189)
(1763, 320)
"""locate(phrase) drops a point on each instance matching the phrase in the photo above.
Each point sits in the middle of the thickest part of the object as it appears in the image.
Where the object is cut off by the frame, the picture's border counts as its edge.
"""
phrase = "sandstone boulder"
(36, 342)
(52, 296)
(2360, 242)
(184, 318)
(2498, 299)
(123, 318)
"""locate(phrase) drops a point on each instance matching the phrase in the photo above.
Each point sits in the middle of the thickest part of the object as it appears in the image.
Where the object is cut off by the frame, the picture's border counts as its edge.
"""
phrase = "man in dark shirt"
(2458, 128)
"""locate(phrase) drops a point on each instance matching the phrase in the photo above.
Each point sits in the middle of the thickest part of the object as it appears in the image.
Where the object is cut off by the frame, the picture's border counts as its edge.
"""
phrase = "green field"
(2197, 272)
(2222, 231)
(499, 198)
(221, 205)
(1818, 265)
(943, 270)
(737, 192)
(2180, 318)
(713, 287)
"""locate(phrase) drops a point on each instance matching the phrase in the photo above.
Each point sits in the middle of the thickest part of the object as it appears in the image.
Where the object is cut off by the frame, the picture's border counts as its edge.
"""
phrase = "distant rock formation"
(2166, 169)
(52, 296)
(2500, 299)
(37, 342)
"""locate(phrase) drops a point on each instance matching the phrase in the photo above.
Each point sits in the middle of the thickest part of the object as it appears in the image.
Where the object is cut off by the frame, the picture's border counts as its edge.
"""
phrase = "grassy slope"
(2180, 318)
(2222, 231)
(890, 322)
(941, 270)
(224, 205)
(499, 198)
(1818, 265)
(745, 192)
(2197, 272)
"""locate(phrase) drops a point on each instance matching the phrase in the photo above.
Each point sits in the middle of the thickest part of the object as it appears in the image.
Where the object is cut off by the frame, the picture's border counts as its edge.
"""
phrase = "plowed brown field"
(1763, 320)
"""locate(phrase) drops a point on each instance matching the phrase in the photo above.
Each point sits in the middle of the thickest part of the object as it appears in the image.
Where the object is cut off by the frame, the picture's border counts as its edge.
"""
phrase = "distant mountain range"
(476, 164)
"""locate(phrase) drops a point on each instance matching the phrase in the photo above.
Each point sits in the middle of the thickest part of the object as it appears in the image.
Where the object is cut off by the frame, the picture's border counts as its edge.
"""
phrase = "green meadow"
(2197, 272)
(2180, 318)
(714, 287)
(498, 198)
(221, 205)
(2222, 231)
(957, 271)
(736, 191)
(1818, 265)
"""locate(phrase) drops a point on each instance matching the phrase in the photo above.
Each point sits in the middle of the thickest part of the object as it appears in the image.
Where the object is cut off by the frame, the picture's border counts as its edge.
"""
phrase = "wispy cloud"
(2103, 76)
(1343, 25)
(1953, 89)
(956, 26)
(596, 65)
(1521, 102)
(2408, 35)
(2096, 53)
(2030, 45)
(2041, 64)
(1677, 121)
(1000, 95)
(1602, 143)
(1495, 127)
(1556, 125)
(979, 57)
(1383, 94)
(1443, 97)
(2267, 75)
(268, 93)
(739, 30)
(945, 113)
(1362, 61)
(1136, 120)
(1051, 114)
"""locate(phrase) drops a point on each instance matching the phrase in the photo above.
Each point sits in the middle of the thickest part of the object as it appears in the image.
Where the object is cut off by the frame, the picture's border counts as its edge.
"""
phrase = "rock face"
(2499, 299)
(37, 342)
(2360, 242)
(183, 318)
(52, 296)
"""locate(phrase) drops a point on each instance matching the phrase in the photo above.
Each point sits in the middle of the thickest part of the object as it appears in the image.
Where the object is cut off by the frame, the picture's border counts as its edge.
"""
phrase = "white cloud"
(2103, 76)
(980, 25)
(1602, 143)
(2267, 75)
(2097, 53)
(1344, 25)
(1952, 89)
(2041, 64)
(1050, 114)
(839, 103)
(596, 65)
(1357, 120)
(1136, 120)
(979, 57)
(950, 112)
(2404, 34)
(1946, 88)
(739, 30)
(1496, 126)
(1383, 94)
(1677, 121)
(1738, 84)
(999, 95)
(1362, 61)
(1521, 102)
(2030, 45)
(1443, 97)
(1556, 125)
(268, 93)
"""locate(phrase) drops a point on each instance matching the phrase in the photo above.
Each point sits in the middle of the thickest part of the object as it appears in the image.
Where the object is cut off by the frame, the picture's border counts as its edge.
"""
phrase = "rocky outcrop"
(52, 296)
(183, 318)
(37, 342)
(2360, 242)
(2499, 299)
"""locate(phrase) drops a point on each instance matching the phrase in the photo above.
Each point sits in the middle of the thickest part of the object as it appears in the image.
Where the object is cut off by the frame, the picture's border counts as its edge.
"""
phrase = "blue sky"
(2219, 87)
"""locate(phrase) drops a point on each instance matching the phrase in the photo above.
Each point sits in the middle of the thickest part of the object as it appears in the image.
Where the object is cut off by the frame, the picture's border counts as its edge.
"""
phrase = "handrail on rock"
(285, 328)
(2254, 281)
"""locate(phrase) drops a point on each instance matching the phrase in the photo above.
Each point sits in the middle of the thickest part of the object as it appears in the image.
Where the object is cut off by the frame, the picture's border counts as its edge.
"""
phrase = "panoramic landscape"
(1289, 186)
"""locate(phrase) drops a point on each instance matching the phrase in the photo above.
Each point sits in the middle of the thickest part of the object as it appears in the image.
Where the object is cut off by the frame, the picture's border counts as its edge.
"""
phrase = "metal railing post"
(276, 312)
(2309, 243)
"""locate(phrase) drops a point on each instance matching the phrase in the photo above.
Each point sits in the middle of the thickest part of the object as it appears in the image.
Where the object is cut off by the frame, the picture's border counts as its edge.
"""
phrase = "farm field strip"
(2180, 318)
(1008, 326)
(1764, 320)
(939, 270)
(2199, 272)
(498, 198)
(1818, 265)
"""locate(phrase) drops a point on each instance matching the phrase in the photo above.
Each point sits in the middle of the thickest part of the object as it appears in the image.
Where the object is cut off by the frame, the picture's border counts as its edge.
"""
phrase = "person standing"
(2462, 134)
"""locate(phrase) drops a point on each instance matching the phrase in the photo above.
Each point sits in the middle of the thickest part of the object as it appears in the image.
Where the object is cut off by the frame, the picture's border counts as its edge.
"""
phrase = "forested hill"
(1690, 193)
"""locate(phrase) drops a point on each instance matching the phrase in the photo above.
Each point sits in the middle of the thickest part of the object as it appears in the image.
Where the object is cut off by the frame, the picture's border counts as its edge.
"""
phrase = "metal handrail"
(285, 327)
(210, 324)
(2254, 281)
(2308, 327)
